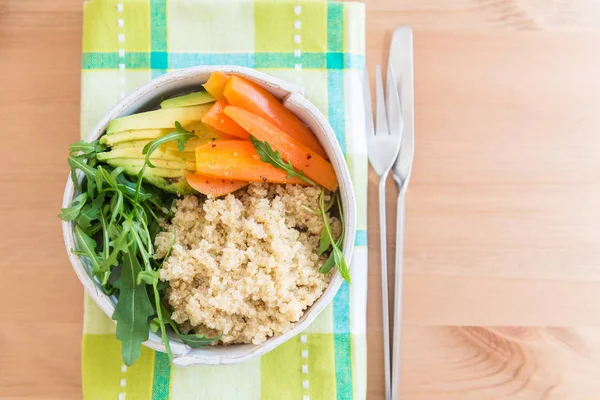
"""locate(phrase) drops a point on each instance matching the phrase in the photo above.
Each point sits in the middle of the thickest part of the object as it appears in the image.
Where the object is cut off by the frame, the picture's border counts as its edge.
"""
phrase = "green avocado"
(130, 136)
(169, 180)
(162, 153)
(188, 147)
(202, 131)
(158, 119)
(187, 100)
(137, 163)
(171, 185)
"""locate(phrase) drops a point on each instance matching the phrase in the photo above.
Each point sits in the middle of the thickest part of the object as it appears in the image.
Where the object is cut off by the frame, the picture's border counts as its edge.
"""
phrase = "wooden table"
(502, 287)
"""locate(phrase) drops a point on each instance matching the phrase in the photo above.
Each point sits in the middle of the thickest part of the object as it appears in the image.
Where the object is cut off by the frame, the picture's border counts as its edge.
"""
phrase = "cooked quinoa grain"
(246, 265)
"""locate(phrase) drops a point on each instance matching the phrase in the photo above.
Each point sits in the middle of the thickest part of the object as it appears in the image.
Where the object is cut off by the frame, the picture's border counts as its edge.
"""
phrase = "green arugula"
(336, 257)
(133, 309)
(87, 248)
(270, 156)
(196, 340)
(116, 219)
(72, 212)
(180, 135)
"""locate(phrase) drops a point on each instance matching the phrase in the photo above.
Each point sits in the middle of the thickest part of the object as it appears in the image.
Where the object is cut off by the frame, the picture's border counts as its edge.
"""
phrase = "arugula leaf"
(340, 263)
(120, 245)
(86, 247)
(161, 319)
(162, 314)
(148, 277)
(79, 162)
(71, 212)
(90, 212)
(103, 175)
(270, 156)
(324, 242)
(330, 262)
(154, 325)
(86, 148)
(337, 256)
(105, 237)
(116, 204)
(85, 153)
(133, 309)
(195, 340)
(327, 265)
(180, 134)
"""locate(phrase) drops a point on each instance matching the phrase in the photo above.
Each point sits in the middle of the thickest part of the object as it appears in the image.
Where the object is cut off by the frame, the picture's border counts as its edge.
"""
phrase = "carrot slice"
(213, 187)
(221, 122)
(216, 84)
(248, 95)
(301, 157)
(238, 160)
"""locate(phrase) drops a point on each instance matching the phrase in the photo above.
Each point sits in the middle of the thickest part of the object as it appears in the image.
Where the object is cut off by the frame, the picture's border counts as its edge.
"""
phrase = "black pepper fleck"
(308, 156)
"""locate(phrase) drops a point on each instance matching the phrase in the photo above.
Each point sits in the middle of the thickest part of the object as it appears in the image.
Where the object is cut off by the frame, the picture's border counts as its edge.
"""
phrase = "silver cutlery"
(401, 60)
(383, 146)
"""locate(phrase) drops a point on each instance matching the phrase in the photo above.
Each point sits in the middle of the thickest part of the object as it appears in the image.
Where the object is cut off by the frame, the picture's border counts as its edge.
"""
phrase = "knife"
(401, 60)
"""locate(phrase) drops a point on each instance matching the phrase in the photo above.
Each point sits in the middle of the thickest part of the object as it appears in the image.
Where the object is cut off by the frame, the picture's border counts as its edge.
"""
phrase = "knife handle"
(399, 271)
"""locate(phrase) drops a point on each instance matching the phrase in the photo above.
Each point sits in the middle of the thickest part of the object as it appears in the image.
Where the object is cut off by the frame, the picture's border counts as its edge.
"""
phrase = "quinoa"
(245, 266)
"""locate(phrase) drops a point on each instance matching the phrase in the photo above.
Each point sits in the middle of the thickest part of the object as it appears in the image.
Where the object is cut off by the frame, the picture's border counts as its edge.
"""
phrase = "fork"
(383, 146)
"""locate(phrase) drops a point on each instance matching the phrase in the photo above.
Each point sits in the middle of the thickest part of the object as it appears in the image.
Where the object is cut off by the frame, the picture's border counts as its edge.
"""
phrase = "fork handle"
(384, 286)
(399, 272)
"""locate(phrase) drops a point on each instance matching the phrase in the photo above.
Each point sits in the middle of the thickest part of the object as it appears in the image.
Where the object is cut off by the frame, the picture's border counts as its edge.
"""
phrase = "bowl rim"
(292, 97)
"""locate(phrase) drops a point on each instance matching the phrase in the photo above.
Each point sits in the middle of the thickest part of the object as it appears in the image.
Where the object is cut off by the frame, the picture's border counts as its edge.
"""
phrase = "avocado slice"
(169, 180)
(187, 100)
(137, 161)
(130, 136)
(203, 131)
(172, 185)
(167, 151)
(188, 147)
(132, 166)
(158, 119)
(159, 154)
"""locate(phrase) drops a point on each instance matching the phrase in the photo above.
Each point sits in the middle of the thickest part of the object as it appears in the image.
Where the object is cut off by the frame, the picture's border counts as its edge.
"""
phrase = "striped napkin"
(318, 44)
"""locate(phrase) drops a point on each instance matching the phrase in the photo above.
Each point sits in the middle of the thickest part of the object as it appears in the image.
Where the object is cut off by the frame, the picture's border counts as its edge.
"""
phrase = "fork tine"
(394, 107)
(381, 124)
(370, 130)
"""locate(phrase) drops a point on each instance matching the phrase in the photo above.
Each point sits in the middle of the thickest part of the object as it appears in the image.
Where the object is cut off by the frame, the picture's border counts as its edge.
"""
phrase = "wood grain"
(502, 286)
(41, 324)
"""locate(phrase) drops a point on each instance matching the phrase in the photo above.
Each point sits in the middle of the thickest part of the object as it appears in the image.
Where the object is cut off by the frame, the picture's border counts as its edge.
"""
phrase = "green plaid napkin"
(320, 45)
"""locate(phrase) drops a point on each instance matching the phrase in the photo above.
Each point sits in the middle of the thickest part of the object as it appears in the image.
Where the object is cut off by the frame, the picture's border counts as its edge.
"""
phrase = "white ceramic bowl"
(148, 97)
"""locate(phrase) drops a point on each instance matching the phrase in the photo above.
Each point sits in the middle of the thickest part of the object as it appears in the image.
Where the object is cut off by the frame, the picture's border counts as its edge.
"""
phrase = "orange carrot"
(301, 157)
(248, 95)
(216, 84)
(237, 160)
(221, 122)
(213, 187)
